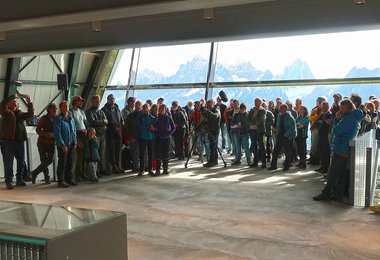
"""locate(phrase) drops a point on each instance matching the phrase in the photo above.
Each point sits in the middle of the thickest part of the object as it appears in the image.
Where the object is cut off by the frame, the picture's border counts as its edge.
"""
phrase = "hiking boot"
(72, 183)
(20, 183)
(116, 169)
(63, 184)
(33, 177)
(9, 185)
(47, 180)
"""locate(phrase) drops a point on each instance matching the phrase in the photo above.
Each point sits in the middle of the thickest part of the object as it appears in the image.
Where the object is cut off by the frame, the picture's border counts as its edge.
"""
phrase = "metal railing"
(363, 166)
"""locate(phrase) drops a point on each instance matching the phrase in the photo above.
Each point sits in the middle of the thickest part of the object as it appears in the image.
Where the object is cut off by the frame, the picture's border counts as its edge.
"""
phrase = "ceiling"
(61, 26)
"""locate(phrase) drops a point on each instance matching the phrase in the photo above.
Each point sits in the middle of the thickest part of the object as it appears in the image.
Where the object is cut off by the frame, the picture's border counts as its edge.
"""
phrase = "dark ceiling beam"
(72, 73)
(13, 69)
(267, 19)
(27, 64)
(92, 75)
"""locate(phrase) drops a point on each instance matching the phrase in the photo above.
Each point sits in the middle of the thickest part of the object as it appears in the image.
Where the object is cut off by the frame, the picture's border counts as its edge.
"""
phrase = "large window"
(337, 55)
(121, 71)
(173, 64)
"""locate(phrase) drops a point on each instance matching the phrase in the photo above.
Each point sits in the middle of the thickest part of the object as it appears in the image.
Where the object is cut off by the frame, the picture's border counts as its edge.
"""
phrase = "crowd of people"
(142, 137)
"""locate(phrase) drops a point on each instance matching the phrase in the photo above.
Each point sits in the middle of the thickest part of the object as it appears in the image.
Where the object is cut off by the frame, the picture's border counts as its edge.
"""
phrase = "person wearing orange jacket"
(314, 115)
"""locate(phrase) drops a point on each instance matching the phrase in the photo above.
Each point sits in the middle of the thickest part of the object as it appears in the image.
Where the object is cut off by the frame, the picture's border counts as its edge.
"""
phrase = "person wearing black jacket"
(213, 129)
(223, 128)
(323, 123)
(113, 133)
(133, 136)
(98, 120)
(180, 121)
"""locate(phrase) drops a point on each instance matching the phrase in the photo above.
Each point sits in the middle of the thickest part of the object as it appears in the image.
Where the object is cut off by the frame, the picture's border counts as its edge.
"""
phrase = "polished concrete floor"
(223, 213)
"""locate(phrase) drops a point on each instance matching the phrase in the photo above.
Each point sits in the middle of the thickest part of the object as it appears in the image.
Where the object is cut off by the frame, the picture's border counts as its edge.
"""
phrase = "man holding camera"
(213, 129)
(13, 135)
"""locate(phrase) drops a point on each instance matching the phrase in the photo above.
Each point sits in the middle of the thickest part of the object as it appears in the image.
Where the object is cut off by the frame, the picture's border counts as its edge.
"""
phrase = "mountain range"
(195, 71)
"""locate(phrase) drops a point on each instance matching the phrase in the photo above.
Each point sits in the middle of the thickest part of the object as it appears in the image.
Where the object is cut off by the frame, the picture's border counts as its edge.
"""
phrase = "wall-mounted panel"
(2, 90)
(3, 68)
(85, 63)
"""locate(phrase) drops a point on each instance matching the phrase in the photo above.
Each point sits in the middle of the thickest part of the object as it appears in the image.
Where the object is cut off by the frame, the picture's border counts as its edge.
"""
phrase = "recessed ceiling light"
(359, 2)
(208, 14)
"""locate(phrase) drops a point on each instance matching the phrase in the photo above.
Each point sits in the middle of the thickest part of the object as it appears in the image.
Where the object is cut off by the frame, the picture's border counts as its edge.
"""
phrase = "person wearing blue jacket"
(240, 128)
(165, 129)
(343, 131)
(146, 125)
(66, 141)
(286, 132)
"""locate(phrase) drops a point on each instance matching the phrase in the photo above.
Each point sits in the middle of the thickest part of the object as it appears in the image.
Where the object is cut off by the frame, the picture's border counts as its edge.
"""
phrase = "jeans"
(257, 143)
(269, 146)
(113, 147)
(102, 167)
(336, 177)
(301, 147)
(46, 152)
(232, 138)
(213, 139)
(91, 169)
(314, 142)
(13, 149)
(202, 139)
(146, 145)
(134, 146)
(282, 141)
(226, 143)
(179, 136)
(324, 151)
(242, 141)
(65, 164)
(162, 153)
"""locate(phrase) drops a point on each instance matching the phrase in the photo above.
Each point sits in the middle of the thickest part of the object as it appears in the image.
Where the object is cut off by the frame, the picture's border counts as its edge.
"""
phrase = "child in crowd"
(91, 154)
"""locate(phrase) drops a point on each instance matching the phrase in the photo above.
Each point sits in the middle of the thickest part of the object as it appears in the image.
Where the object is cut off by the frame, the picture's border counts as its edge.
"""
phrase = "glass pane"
(121, 70)
(336, 55)
(173, 64)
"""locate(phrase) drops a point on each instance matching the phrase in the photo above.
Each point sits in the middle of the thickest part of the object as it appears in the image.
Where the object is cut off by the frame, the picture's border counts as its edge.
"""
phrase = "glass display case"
(32, 231)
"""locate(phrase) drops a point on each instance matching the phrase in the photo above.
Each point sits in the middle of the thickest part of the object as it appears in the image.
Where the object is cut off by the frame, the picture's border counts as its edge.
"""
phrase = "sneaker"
(321, 197)
(152, 174)
(285, 169)
(140, 173)
(105, 173)
(272, 168)
(166, 172)
(263, 166)
(253, 165)
(63, 184)
(47, 180)
(72, 183)
(9, 185)
(116, 169)
(236, 163)
(20, 183)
